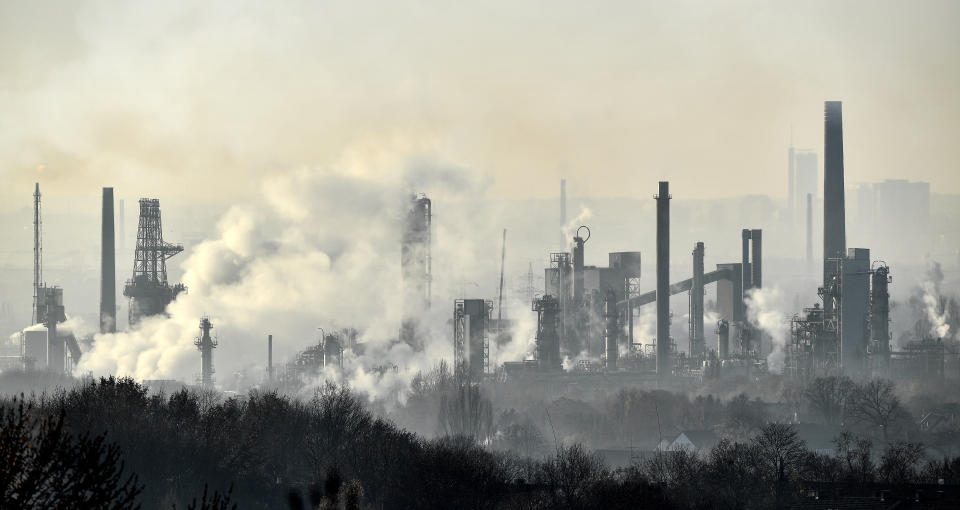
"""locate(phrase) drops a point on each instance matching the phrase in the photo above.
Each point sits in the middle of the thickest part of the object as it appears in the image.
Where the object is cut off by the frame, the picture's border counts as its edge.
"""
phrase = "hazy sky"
(199, 99)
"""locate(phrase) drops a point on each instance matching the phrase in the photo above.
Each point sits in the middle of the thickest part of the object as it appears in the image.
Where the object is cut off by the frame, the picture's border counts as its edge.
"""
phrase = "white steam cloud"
(320, 249)
(936, 315)
(766, 312)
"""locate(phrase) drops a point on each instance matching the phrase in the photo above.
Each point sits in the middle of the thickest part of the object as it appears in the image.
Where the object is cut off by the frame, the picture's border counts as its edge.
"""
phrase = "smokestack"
(756, 265)
(834, 219)
(563, 212)
(697, 343)
(108, 267)
(663, 280)
(747, 274)
(270, 358)
(37, 256)
(809, 232)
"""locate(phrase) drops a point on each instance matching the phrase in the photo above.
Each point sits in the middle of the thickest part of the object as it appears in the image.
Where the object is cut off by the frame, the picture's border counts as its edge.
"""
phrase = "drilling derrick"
(205, 345)
(148, 290)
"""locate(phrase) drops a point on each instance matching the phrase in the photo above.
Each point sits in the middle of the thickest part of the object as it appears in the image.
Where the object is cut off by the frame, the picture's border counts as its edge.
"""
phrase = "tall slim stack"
(663, 280)
(809, 232)
(756, 264)
(697, 342)
(270, 358)
(834, 218)
(108, 267)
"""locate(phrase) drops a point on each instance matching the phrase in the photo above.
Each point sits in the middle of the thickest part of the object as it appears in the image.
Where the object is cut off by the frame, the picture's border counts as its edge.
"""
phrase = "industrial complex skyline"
(432, 254)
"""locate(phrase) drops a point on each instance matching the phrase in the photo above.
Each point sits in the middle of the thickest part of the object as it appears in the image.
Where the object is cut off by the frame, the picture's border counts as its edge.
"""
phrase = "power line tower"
(205, 344)
(148, 289)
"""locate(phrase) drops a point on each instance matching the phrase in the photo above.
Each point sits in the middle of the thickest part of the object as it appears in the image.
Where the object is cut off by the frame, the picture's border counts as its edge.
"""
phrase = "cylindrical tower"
(663, 280)
(108, 266)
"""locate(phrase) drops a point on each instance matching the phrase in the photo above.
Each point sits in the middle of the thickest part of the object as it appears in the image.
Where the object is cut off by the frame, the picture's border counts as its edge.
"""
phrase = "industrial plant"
(585, 315)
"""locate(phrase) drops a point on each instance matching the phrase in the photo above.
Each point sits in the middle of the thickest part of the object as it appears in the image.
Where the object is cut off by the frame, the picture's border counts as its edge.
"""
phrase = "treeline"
(115, 444)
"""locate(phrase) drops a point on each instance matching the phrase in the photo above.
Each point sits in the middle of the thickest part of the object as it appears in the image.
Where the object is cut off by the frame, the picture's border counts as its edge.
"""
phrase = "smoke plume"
(766, 312)
(319, 249)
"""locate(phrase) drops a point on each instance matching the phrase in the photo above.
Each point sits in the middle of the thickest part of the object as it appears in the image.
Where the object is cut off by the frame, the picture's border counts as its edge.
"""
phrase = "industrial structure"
(585, 313)
(108, 267)
(415, 266)
(148, 289)
(205, 344)
(848, 332)
(471, 336)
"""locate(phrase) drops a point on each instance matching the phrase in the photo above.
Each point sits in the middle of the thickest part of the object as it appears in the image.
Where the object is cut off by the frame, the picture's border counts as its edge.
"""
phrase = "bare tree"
(828, 396)
(876, 403)
(780, 449)
(899, 462)
(466, 412)
(855, 454)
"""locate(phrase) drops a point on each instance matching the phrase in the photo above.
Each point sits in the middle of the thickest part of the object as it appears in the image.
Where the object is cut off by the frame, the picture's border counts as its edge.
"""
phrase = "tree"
(571, 474)
(744, 416)
(43, 466)
(464, 411)
(899, 462)
(781, 452)
(855, 454)
(875, 403)
(827, 397)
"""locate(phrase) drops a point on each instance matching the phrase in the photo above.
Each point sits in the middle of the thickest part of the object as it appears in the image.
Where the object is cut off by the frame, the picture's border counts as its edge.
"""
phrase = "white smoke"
(939, 326)
(766, 312)
(321, 249)
(523, 334)
(570, 228)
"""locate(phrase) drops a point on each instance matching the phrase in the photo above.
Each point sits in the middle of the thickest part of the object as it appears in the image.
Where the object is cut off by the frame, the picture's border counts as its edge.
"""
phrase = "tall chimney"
(270, 358)
(563, 213)
(108, 267)
(834, 219)
(697, 342)
(809, 232)
(756, 264)
(663, 280)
